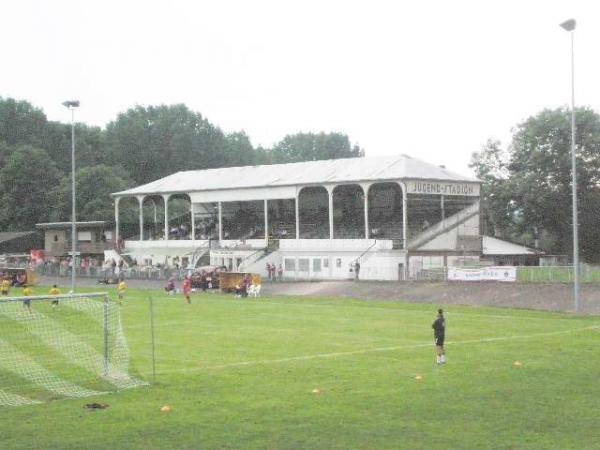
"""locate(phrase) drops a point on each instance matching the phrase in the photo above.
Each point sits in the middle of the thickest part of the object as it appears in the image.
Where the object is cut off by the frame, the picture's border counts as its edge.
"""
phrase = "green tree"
(238, 150)
(313, 147)
(93, 186)
(530, 191)
(540, 170)
(90, 148)
(21, 123)
(155, 141)
(25, 181)
(490, 166)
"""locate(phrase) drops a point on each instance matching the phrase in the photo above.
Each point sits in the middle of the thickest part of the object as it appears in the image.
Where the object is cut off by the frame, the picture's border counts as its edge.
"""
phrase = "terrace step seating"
(443, 226)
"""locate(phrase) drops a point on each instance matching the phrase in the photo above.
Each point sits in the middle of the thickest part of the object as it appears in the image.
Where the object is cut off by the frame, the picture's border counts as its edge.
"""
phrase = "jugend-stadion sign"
(442, 188)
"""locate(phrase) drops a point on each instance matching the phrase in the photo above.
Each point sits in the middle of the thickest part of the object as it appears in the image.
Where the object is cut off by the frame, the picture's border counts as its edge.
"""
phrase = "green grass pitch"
(330, 373)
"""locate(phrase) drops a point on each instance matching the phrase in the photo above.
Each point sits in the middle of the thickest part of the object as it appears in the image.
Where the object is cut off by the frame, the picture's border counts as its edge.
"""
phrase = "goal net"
(75, 348)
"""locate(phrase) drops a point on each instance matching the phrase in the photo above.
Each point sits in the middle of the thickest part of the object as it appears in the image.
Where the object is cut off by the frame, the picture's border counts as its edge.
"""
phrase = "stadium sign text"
(443, 188)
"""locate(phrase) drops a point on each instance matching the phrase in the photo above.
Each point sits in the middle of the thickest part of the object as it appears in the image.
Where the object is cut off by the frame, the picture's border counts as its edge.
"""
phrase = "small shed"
(499, 252)
(93, 238)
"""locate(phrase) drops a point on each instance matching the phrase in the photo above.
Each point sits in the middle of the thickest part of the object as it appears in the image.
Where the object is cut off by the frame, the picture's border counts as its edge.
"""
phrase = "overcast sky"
(432, 79)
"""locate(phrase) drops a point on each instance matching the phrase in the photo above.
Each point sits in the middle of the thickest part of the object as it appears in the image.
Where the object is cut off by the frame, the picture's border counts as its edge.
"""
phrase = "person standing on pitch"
(27, 292)
(121, 290)
(439, 331)
(187, 288)
(54, 291)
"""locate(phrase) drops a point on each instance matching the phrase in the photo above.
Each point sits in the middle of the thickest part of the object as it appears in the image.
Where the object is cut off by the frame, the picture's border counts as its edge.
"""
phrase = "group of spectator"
(87, 266)
(275, 273)
(206, 229)
(179, 232)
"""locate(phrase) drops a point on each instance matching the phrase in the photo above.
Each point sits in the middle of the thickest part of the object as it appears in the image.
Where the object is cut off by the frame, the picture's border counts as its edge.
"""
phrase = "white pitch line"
(448, 314)
(370, 350)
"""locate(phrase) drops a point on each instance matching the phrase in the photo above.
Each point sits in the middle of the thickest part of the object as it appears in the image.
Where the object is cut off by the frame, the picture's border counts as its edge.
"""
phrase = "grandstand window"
(206, 221)
(348, 212)
(385, 211)
(338, 263)
(243, 220)
(282, 218)
(303, 264)
(289, 264)
(424, 211)
(313, 206)
(325, 263)
(154, 217)
(316, 265)
(129, 218)
(179, 220)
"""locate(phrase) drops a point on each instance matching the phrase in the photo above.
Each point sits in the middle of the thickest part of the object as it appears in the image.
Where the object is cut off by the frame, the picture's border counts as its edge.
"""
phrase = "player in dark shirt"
(439, 333)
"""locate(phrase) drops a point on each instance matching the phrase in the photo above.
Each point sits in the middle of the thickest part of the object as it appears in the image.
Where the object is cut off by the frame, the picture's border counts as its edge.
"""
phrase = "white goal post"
(55, 346)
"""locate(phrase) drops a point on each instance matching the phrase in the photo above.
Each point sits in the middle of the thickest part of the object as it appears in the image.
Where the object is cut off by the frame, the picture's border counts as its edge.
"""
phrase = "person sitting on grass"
(27, 292)
(54, 291)
(170, 287)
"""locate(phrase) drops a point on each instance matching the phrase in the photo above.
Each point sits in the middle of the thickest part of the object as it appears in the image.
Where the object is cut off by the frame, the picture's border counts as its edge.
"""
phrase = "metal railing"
(142, 273)
(527, 274)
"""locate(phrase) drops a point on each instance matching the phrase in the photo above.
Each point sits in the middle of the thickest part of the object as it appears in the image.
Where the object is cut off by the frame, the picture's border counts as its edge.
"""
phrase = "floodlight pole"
(569, 26)
(72, 104)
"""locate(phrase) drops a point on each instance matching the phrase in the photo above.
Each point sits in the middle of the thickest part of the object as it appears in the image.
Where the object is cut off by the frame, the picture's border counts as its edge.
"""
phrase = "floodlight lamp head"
(71, 103)
(569, 25)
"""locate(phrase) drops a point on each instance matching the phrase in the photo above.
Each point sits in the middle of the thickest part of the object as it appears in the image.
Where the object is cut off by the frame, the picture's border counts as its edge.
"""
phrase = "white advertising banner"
(499, 273)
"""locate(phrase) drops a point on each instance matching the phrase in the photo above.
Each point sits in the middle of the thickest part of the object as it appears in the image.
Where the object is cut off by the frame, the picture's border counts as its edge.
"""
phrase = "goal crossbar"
(54, 297)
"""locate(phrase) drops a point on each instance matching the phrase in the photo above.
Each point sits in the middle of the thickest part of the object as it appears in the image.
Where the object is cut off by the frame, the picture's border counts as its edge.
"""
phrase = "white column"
(443, 210)
(266, 222)
(365, 188)
(220, 223)
(116, 241)
(297, 214)
(141, 203)
(330, 194)
(193, 221)
(166, 200)
(404, 218)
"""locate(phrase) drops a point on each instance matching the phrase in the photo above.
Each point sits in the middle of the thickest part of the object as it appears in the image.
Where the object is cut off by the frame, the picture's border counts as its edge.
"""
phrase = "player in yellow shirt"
(54, 291)
(27, 292)
(121, 290)
(5, 286)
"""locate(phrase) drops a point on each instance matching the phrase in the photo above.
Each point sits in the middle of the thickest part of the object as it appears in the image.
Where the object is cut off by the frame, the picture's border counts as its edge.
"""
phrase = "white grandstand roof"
(300, 173)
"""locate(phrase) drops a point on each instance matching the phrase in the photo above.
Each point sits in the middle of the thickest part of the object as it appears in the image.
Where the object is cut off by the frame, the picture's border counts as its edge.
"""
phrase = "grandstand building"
(395, 216)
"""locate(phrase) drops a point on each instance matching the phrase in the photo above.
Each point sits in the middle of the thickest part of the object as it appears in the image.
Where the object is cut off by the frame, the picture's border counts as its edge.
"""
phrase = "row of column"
(140, 199)
(330, 189)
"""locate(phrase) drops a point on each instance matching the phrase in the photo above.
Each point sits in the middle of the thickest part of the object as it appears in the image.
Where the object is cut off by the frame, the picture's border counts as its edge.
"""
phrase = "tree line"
(526, 185)
(141, 145)
(526, 191)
